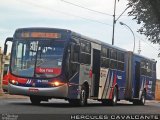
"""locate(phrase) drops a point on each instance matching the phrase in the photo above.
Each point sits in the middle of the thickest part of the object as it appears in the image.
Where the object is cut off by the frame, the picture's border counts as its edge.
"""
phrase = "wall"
(157, 94)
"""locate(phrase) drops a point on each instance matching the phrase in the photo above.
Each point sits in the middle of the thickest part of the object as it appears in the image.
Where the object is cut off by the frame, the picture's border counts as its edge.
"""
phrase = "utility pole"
(114, 22)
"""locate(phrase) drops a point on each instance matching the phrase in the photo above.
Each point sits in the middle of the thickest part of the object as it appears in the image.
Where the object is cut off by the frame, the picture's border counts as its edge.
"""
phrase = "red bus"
(5, 77)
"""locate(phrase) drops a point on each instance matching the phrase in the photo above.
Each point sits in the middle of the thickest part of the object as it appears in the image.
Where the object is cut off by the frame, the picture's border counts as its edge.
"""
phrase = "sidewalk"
(7, 96)
(153, 101)
(147, 101)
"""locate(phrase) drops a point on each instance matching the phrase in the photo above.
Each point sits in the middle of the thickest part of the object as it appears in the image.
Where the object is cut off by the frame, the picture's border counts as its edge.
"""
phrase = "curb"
(7, 96)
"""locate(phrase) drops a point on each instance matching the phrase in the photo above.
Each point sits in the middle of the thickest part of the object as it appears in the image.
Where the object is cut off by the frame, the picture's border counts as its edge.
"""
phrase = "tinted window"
(113, 64)
(85, 56)
(120, 66)
(120, 56)
(85, 46)
(113, 54)
(105, 62)
(105, 52)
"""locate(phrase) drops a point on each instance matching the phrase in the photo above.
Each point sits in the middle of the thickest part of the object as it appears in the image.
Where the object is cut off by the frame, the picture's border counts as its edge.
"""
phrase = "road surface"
(57, 106)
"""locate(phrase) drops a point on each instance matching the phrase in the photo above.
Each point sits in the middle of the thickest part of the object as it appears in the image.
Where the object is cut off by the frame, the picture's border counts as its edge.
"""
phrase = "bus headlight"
(14, 82)
(57, 83)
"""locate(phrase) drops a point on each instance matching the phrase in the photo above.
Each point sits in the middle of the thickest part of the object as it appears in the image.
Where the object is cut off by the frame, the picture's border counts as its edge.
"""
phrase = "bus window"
(85, 54)
(105, 57)
(149, 72)
(105, 52)
(75, 53)
(120, 61)
(104, 62)
(120, 66)
(74, 64)
(37, 58)
(120, 56)
(113, 54)
(113, 64)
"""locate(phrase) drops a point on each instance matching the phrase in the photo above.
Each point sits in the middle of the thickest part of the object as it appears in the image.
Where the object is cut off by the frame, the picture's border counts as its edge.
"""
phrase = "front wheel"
(83, 98)
(35, 100)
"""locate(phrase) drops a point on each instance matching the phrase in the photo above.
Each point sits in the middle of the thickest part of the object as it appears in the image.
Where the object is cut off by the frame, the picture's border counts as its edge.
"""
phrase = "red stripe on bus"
(114, 82)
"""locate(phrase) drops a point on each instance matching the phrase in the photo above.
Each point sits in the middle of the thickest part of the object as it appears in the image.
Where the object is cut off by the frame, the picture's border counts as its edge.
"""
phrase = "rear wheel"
(35, 100)
(142, 100)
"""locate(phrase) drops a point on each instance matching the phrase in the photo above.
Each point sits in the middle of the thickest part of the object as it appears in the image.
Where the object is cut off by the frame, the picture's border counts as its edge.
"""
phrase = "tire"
(83, 98)
(114, 99)
(35, 100)
(142, 100)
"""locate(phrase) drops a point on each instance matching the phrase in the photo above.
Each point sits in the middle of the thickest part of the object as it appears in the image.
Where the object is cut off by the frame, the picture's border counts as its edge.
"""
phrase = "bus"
(5, 77)
(58, 63)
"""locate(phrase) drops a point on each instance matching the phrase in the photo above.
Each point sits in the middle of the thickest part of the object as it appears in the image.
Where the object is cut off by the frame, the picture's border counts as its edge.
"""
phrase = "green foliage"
(147, 13)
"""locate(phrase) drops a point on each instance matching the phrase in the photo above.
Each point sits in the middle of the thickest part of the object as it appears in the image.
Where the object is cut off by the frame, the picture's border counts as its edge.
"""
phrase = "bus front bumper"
(55, 92)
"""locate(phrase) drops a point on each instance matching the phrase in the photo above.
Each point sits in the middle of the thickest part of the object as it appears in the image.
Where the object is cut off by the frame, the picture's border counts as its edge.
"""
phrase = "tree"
(147, 13)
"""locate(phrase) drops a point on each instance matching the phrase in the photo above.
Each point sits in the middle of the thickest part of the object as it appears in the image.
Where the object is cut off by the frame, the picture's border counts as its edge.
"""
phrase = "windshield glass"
(37, 58)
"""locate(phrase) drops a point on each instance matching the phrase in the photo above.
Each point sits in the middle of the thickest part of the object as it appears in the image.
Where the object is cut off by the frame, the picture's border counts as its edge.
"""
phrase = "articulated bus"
(57, 63)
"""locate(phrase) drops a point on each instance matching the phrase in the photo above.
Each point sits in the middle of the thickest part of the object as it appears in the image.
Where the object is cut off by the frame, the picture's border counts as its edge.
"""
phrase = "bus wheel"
(35, 100)
(83, 96)
(143, 99)
(113, 101)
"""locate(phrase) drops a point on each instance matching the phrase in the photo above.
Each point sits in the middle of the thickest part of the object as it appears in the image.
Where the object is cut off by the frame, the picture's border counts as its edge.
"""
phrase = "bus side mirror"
(75, 50)
(6, 46)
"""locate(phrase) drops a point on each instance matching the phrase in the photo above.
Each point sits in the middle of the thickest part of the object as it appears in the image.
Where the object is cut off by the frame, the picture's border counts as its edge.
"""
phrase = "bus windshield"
(40, 58)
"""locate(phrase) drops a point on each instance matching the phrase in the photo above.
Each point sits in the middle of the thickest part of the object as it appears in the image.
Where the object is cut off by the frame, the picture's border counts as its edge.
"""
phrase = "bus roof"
(153, 60)
(46, 29)
(97, 41)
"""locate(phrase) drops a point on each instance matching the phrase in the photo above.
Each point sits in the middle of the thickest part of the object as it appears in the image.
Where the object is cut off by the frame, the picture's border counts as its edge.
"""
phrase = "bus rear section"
(141, 77)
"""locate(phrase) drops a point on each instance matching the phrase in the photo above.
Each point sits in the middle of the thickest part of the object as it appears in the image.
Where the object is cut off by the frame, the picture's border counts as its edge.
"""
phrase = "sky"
(60, 14)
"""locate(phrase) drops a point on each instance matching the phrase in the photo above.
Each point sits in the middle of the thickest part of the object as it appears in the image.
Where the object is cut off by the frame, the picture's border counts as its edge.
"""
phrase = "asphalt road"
(56, 106)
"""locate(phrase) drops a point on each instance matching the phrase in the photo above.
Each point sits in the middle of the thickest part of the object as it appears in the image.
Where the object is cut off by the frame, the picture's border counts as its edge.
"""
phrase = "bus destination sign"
(39, 35)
